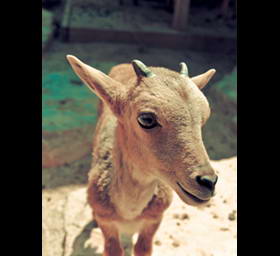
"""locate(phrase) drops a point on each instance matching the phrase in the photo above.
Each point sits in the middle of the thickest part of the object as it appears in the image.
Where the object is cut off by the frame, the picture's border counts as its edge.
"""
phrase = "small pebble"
(157, 242)
(225, 201)
(215, 216)
(224, 229)
(231, 216)
(184, 216)
(176, 216)
(178, 224)
(175, 244)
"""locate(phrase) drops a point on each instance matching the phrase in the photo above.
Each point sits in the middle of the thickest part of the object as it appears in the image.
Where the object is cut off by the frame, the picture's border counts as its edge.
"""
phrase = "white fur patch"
(129, 227)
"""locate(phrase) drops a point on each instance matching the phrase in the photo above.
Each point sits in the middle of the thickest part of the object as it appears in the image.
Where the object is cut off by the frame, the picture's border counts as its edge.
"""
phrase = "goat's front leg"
(143, 246)
(112, 245)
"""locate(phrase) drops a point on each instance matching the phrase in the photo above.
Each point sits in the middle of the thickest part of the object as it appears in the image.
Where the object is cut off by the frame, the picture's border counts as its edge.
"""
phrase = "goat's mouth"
(191, 196)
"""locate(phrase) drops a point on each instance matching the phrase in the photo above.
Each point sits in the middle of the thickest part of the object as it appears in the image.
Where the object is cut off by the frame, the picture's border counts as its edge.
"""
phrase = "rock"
(184, 216)
(175, 244)
(231, 216)
(53, 228)
(224, 229)
(68, 229)
(157, 242)
(215, 216)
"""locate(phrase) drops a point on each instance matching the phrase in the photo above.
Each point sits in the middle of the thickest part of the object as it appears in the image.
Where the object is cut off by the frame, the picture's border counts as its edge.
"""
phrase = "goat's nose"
(207, 181)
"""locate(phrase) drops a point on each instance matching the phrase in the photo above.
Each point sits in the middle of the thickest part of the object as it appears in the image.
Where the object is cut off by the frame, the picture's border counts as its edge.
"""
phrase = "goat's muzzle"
(207, 181)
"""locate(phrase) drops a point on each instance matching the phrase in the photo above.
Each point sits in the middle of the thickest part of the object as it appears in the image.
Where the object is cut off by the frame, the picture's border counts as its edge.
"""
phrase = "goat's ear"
(203, 79)
(106, 88)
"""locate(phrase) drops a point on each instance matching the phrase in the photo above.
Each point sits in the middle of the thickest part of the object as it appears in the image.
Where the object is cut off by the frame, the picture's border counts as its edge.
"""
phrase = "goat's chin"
(184, 195)
(188, 197)
(190, 200)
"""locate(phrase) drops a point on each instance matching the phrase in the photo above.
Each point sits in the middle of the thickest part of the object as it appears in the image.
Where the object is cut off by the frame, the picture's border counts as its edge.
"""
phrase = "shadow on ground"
(79, 247)
(79, 243)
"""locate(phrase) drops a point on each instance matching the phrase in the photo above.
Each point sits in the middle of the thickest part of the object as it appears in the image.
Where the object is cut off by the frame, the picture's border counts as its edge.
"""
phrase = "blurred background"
(103, 33)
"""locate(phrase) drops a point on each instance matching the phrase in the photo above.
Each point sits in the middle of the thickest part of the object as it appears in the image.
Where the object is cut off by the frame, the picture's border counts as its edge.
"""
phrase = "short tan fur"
(147, 143)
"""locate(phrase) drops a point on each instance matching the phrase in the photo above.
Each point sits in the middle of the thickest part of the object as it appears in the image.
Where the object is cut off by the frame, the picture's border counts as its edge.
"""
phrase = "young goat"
(147, 142)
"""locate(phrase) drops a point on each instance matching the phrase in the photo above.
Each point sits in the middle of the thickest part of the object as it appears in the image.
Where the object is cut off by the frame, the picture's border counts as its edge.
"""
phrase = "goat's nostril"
(207, 181)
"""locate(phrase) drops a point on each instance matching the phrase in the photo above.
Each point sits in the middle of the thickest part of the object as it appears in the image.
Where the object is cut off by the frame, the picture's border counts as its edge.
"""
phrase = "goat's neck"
(131, 189)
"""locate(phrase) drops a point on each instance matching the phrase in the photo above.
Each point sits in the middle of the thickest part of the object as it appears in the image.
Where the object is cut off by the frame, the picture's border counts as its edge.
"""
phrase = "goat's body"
(130, 213)
(147, 141)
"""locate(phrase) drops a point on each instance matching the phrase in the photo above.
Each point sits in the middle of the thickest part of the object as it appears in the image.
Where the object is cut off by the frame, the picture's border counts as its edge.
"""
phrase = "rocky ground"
(68, 229)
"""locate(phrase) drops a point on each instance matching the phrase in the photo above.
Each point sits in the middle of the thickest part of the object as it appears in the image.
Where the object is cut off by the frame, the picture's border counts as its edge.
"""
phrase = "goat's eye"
(147, 120)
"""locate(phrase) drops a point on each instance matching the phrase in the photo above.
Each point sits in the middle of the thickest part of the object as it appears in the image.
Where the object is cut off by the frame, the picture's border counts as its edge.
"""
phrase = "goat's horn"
(141, 69)
(184, 69)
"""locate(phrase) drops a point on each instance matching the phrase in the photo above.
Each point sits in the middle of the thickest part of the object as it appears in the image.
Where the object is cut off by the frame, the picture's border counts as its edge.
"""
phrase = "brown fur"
(133, 170)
